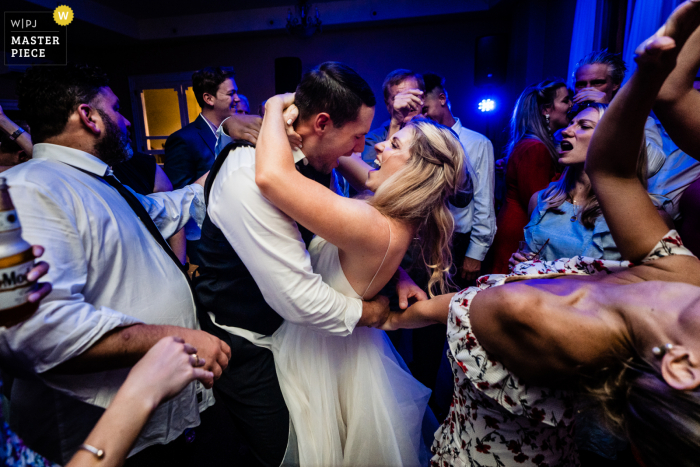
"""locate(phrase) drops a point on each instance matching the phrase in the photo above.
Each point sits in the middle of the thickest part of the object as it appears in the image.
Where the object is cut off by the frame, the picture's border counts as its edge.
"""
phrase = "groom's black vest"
(224, 285)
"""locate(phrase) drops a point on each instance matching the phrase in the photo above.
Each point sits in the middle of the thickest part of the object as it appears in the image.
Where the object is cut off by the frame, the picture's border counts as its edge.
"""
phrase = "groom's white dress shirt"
(270, 245)
(107, 271)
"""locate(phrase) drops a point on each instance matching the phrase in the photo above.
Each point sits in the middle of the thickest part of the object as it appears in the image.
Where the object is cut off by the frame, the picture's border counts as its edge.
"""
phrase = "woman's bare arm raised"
(678, 101)
(346, 223)
(611, 163)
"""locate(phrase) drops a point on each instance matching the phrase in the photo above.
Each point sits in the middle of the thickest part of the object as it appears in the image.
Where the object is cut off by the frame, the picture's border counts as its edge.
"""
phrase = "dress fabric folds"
(352, 400)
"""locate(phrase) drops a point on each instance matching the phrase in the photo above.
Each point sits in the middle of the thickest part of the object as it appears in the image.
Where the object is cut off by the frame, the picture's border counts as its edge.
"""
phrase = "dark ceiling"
(141, 9)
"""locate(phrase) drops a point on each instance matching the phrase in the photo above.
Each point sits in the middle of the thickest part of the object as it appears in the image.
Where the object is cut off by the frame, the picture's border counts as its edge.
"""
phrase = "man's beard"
(113, 148)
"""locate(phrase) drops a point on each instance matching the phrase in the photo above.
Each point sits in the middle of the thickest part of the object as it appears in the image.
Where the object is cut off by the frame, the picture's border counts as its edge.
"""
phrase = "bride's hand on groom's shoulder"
(290, 114)
(374, 312)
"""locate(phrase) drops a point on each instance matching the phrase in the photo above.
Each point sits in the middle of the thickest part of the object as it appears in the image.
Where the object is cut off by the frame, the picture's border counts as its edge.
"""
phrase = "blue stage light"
(487, 105)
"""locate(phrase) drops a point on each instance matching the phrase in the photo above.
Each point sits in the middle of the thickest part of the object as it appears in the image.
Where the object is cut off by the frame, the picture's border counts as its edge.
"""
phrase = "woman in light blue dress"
(565, 217)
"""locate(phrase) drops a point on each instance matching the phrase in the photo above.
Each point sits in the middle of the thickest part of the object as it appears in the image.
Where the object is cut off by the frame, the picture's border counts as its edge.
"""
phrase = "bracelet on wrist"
(99, 453)
(18, 132)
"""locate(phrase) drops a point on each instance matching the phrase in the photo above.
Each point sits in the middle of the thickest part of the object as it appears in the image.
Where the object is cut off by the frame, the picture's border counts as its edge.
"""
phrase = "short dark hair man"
(117, 289)
(403, 97)
(597, 78)
(189, 152)
(256, 271)
(475, 225)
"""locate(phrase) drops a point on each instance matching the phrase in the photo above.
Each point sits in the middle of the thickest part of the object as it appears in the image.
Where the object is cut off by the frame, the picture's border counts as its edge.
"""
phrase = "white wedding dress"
(351, 399)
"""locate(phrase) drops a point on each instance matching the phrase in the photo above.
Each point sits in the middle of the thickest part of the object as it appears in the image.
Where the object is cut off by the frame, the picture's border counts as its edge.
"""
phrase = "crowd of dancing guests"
(230, 306)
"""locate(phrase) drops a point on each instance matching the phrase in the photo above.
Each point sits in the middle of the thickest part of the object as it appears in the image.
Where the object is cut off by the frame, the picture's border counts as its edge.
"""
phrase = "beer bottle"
(16, 260)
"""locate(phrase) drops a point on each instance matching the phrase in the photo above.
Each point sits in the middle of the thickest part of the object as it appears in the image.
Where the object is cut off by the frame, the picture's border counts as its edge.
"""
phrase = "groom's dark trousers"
(248, 387)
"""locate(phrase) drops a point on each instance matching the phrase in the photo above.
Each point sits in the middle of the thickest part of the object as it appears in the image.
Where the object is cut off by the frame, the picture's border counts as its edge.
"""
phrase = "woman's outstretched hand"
(161, 374)
(420, 314)
(165, 370)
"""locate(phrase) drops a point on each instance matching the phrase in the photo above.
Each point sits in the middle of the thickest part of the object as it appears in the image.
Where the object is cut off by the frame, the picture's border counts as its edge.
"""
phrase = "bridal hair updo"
(418, 194)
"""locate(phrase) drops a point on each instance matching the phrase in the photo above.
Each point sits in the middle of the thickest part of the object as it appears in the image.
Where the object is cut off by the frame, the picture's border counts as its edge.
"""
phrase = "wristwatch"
(17, 133)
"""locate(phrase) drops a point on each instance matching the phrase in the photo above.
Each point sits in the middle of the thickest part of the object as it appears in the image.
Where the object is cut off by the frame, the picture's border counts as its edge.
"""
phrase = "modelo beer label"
(14, 286)
(9, 221)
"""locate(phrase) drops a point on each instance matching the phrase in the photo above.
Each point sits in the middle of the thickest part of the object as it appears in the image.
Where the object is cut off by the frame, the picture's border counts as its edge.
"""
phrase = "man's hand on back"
(374, 312)
(245, 127)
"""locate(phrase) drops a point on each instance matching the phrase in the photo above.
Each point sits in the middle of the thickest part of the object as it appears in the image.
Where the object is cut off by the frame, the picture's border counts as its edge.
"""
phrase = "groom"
(255, 269)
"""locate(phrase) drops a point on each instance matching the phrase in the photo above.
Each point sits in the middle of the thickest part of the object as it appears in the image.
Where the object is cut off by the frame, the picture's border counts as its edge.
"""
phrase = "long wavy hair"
(558, 192)
(662, 423)
(418, 194)
(527, 120)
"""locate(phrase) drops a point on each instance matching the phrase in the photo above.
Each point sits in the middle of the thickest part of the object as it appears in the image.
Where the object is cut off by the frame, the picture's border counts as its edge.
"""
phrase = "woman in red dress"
(532, 162)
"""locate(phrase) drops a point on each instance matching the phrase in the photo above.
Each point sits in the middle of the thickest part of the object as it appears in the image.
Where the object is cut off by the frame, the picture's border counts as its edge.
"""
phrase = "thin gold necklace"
(576, 208)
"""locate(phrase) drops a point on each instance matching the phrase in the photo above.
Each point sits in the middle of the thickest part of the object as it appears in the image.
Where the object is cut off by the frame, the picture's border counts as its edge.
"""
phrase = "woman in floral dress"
(522, 344)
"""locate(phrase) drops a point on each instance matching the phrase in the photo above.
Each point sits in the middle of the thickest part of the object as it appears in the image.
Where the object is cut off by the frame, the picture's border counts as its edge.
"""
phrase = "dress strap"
(382, 263)
(670, 245)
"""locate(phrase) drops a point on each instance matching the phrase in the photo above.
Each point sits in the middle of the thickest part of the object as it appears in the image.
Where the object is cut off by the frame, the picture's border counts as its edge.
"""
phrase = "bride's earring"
(546, 119)
(661, 351)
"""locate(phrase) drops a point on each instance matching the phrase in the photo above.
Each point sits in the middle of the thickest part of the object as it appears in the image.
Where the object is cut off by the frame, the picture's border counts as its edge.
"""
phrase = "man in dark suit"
(190, 151)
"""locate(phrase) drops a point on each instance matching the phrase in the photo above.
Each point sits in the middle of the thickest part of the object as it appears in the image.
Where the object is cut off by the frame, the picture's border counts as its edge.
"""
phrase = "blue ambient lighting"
(487, 105)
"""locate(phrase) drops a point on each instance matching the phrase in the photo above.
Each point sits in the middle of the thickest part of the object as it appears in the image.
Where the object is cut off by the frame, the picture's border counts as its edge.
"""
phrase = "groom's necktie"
(142, 214)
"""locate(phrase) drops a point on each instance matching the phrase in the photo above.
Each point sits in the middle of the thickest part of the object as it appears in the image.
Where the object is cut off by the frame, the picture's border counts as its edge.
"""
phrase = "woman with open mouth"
(541, 110)
(566, 222)
(565, 217)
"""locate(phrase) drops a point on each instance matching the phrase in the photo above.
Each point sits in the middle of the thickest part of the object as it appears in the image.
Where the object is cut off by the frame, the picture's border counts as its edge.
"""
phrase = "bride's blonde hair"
(418, 194)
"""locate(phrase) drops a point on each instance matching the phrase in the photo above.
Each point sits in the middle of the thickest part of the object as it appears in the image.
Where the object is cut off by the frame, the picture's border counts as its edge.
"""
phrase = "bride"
(351, 399)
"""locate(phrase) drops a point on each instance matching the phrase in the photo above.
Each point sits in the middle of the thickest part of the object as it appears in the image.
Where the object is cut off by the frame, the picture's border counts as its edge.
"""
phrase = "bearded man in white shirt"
(117, 288)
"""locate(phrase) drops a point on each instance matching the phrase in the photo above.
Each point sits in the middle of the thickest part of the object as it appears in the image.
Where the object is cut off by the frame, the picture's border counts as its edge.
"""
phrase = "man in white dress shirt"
(256, 271)
(475, 225)
(116, 289)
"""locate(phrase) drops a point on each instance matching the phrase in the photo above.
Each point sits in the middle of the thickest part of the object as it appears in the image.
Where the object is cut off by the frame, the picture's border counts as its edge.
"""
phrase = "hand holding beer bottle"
(19, 293)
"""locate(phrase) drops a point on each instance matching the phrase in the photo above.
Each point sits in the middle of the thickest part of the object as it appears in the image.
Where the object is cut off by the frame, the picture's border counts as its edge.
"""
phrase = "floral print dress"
(13, 452)
(495, 419)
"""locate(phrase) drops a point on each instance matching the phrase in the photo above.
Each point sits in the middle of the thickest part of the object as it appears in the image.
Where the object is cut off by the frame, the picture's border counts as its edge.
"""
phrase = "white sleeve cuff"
(353, 314)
